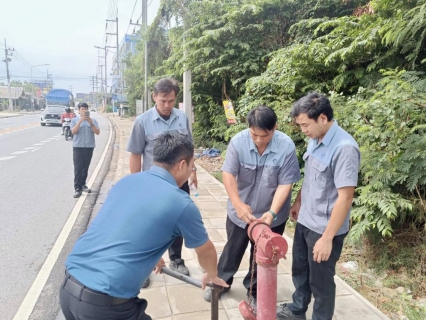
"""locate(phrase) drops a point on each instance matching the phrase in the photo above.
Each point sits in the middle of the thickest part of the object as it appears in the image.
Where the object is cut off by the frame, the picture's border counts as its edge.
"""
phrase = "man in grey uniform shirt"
(259, 171)
(322, 208)
(146, 129)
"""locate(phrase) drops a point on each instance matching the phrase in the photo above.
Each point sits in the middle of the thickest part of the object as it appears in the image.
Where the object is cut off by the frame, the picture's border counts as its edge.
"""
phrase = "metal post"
(215, 289)
(145, 35)
(8, 75)
(187, 99)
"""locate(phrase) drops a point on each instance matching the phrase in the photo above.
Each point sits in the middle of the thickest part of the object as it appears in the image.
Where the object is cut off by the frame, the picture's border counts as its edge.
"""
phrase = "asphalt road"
(36, 188)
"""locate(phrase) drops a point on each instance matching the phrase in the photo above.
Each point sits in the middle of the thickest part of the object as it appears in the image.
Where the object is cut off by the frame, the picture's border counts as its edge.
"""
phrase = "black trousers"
(313, 278)
(233, 253)
(175, 250)
(75, 309)
(82, 158)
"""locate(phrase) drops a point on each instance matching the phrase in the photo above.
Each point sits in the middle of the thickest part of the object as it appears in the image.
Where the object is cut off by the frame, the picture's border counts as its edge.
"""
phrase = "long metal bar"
(215, 289)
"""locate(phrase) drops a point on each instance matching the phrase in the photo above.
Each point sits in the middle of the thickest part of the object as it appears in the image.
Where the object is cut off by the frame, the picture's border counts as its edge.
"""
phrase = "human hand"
(294, 211)
(244, 213)
(159, 265)
(267, 218)
(216, 280)
(322, 249)
(88, 119)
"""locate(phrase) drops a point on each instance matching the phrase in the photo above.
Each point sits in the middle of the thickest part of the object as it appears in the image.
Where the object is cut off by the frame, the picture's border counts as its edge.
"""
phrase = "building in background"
(127, 47)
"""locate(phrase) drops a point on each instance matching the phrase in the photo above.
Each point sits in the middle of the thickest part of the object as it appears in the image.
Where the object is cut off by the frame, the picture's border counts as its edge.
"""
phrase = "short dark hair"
(262, 117)
(172, 147)
(166, 86)
(82, 105)
(313, 104)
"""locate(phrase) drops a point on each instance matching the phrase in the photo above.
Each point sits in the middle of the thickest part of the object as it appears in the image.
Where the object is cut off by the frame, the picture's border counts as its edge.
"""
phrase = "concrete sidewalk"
(169, 298)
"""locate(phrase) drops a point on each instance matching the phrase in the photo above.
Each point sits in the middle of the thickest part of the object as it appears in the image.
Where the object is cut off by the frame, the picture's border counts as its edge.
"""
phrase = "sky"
(63, 33)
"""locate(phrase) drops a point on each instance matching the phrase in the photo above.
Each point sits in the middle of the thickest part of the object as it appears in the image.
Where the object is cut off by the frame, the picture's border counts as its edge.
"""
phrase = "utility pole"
(7, 60)
(187, 99)
(92, 80)
(118, 53)
(97, 91)
(145, 35)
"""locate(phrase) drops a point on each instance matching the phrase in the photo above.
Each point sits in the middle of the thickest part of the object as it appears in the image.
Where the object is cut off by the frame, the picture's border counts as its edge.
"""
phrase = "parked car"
(52, 115)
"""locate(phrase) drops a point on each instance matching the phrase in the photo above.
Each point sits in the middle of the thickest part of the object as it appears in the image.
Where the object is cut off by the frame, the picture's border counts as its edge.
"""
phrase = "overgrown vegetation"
(368, 57)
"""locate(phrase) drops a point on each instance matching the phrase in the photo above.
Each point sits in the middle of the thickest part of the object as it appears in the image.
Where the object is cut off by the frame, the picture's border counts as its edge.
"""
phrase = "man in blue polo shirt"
(147, 127)
(322, 208)
(140, 219)
(259, 171)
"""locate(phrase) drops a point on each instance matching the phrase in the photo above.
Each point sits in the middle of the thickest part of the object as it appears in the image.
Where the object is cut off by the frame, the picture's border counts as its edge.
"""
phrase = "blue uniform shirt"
(329, 165)
(85, 137)
(258, 176)
(148, 126)
(141, 217)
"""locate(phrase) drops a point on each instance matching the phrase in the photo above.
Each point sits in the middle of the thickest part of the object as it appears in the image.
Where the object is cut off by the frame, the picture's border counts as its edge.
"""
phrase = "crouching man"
(140, 219)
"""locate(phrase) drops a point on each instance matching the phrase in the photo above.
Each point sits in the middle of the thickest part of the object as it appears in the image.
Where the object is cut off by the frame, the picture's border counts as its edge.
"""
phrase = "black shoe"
(86, 189)
(179, 266)
(284, 313)
(208, 293)
(146, 283)
(77, 194)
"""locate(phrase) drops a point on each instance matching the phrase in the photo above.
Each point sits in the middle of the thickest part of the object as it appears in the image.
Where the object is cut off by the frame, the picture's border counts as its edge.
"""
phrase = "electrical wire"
(131, 17)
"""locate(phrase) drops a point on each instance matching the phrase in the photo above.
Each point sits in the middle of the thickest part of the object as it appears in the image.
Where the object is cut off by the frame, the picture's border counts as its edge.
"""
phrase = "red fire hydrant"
(270, 248)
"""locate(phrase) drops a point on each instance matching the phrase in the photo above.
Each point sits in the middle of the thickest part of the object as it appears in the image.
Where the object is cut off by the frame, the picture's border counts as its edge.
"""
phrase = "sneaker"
(179, 266)
(284, 313)
(77, 194)
(86, 189)
(208, 293)
(146, 283)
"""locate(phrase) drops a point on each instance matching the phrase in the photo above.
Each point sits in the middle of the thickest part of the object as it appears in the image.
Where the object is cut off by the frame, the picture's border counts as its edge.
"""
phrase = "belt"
(78, 290)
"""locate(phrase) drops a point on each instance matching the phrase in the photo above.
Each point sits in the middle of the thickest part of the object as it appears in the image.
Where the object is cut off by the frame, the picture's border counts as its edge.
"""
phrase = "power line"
(131, 17)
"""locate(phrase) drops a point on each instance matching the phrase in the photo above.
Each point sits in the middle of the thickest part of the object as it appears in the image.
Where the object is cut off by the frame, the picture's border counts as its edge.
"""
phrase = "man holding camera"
(84, 129)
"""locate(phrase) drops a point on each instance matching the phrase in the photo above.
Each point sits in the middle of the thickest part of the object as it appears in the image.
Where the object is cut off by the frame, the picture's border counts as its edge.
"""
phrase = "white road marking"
(38, 144)
(29, 148)
(45, 141)
(35, 149)
(19, 152)
(33, 294)
(7, 158)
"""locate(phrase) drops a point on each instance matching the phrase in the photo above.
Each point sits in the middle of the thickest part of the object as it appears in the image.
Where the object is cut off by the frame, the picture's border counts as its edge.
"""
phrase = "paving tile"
(218, 222)
(349, 308)
(187, 299)
(208, 205)
(214, 235)
(222, 232)
(202, 192)
(203, 315)
(219, 192)
(234, 314)
(233, 297)
(215, 213)
(157, 298)
(224, 204)
(203, 198)
(221, 198)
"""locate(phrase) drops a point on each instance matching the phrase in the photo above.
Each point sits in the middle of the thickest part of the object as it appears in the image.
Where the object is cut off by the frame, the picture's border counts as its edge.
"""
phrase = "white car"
(52, 115)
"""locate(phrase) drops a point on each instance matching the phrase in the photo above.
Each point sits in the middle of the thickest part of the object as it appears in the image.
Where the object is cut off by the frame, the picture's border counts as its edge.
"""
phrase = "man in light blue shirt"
(258, 173)
(84, 129)
(322, 208)
(163, 117)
